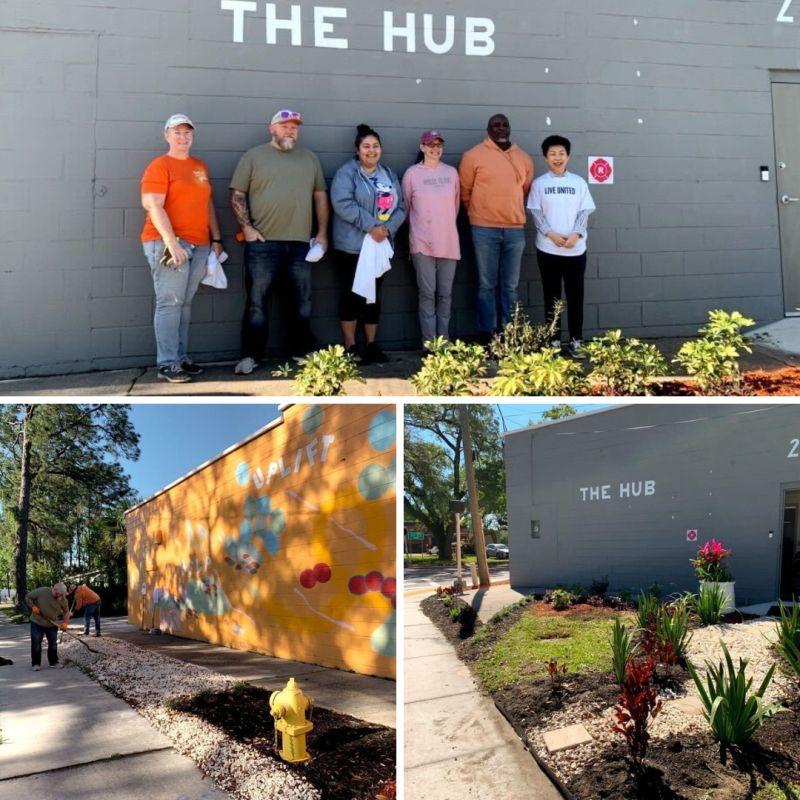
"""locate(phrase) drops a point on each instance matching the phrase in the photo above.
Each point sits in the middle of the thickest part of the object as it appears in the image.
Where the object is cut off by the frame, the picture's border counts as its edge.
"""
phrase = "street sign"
(415, 536)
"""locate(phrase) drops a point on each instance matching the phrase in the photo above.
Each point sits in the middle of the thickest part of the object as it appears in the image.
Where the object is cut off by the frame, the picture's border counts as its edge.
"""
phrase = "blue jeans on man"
(175, 289)
(91, 612)
(498, 256)
(38, 632)
(263, 263)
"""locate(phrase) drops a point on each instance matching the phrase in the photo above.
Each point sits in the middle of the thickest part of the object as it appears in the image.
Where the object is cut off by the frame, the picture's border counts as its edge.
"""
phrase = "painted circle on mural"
(312, 419)
(245, 530)
(382, 430)
(389, 587)
(263, 504)
(307, 579)
(373, 482)
(322, 572)
(357, 584)
(243, 473)
(250, 507)
(374, 580)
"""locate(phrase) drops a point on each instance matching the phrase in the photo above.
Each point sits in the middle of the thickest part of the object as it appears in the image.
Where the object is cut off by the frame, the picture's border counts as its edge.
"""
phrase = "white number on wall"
(782, 15)
(794, 450)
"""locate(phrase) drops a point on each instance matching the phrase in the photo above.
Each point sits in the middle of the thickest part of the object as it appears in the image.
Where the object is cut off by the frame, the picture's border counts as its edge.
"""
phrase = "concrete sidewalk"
(457, 744)
(362, 696)
(64, 736)
(774, 347)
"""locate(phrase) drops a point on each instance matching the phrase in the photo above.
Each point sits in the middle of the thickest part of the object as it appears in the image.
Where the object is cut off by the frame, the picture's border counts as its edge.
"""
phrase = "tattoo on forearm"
(240, 209)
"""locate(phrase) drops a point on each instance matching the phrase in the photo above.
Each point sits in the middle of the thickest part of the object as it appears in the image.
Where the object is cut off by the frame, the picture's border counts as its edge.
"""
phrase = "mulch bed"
(352, 759)
(779, 382)
(676, 768)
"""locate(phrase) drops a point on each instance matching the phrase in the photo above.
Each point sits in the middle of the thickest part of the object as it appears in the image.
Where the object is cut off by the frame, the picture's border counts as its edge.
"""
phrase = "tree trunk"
(23, 508)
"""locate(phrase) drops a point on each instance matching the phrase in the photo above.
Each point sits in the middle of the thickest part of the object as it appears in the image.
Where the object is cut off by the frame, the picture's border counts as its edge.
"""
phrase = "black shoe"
(174, 374)
(374, 355)
(190, 368)
(354, 351)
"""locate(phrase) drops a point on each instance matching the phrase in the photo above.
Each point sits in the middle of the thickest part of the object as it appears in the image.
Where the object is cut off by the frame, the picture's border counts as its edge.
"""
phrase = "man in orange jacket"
(496, 176)
(89, 600)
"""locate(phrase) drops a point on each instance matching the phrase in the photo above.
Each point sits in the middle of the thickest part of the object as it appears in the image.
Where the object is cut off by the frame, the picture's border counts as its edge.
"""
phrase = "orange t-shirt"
(187, 187)
(84, 596)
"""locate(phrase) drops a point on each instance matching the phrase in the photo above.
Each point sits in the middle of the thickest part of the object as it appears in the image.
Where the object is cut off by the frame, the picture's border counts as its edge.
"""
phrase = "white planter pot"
(728, 590)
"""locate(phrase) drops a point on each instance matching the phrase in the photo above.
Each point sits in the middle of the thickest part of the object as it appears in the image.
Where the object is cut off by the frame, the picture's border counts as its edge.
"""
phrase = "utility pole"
(477, 522)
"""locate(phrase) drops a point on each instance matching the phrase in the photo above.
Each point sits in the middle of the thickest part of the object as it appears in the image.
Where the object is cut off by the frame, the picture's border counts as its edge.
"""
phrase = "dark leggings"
(354, 306)
(570, 271)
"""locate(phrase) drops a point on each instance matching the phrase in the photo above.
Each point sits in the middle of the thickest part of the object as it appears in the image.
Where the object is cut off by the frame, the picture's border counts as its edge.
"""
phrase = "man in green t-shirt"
(47, 604)
(273, 189)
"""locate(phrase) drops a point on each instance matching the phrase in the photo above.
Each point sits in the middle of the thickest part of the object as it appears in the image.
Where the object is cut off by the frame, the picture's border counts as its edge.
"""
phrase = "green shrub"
(599, 586)
(708, 603)
(451, 369)
(672, 633)
(455, 613)
(544, 372)
(324, 372)
(648, 610)
(734, 715)
(773, 791)
(560, 599)
(623, 366)
(622, 649)
(519, 335)
(788, 629)
(713, 359)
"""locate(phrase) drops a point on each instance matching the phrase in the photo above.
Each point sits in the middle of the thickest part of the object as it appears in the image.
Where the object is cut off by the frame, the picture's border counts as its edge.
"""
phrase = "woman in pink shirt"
(432, 194)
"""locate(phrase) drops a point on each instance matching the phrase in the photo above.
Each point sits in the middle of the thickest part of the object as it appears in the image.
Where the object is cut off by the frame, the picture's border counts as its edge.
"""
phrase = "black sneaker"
(190, 368)
(174, 374)
(374, 355)
(354, 351)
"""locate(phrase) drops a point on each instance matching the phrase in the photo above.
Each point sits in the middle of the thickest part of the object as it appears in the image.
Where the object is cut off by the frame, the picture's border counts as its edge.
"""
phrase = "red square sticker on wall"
(691, 535)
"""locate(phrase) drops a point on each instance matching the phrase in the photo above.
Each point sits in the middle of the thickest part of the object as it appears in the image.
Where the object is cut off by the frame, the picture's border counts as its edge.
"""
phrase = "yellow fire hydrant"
(289, 707)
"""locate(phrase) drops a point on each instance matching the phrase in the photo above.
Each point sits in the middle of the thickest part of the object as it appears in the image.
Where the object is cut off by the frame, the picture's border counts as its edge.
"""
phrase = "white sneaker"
(245, 366)
(36, 668)
(556, 343)
(576, 348)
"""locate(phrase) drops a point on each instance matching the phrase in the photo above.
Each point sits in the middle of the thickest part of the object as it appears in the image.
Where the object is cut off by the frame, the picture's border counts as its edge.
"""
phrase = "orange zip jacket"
(84, 596)
(495, 184)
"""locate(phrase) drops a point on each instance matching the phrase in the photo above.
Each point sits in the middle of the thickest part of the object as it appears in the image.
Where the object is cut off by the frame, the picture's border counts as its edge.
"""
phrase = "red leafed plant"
(557, 673)
(638, 705)
(387, 791)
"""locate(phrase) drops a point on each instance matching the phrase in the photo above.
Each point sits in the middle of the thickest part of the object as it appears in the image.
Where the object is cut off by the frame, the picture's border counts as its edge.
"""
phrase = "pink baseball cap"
(431, 136)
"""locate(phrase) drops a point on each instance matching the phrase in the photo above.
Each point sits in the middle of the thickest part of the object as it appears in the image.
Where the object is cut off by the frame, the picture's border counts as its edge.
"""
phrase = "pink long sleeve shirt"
(432, 199)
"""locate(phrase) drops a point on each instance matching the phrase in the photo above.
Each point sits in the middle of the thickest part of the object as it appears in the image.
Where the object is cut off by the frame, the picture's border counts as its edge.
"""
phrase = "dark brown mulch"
(735, 617)
(455, 631)
(352, 759)
(690, 768)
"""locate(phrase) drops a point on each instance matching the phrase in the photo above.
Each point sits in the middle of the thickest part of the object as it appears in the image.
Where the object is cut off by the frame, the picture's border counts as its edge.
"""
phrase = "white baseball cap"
(178, 119)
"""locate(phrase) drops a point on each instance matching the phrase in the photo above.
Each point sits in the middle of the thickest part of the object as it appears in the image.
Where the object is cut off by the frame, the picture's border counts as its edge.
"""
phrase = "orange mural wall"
(285, 545)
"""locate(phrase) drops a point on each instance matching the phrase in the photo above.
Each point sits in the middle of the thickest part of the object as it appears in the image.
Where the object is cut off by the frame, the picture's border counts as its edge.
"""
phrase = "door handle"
(785, 199)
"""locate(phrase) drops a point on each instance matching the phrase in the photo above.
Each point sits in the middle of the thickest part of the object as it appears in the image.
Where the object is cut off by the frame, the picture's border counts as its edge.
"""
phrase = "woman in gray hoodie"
(367, 200)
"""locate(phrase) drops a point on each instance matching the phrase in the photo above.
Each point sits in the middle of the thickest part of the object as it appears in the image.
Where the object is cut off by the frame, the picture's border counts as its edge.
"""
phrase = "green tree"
(560, 411)
(62, 488)
(433, 466)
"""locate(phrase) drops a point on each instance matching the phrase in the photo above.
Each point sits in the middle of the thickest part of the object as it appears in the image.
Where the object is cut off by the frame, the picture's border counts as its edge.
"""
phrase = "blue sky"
(176, 438)
(519, 415)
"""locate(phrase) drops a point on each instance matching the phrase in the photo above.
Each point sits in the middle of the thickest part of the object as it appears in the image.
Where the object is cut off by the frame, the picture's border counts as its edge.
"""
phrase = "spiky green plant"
(708, 603)
(733, 713)
(622, 649)
(788, 629)
(648, 609)
(672, 630)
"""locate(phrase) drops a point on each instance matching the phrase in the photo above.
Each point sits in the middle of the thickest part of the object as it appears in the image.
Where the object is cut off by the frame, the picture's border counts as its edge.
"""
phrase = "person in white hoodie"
(561, 203)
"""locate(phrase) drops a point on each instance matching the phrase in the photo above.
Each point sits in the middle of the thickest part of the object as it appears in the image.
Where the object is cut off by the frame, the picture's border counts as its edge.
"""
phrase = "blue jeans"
(263, 262)
(92, 612)
(498, 255)
(175, 289)
(38, 632)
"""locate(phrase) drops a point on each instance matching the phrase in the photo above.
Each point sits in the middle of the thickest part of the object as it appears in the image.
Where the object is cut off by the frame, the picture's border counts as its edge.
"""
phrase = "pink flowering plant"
(709, 565)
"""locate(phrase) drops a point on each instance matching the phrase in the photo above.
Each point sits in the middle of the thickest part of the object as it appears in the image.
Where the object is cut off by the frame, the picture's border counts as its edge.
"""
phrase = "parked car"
(496, 550)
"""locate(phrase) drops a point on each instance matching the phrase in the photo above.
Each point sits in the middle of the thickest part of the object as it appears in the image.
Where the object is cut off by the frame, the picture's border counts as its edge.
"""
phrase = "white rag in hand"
(373, 260)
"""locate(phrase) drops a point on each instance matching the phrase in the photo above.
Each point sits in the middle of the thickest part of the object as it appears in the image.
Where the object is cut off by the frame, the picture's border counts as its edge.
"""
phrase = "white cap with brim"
(60, 587)
(178, 119)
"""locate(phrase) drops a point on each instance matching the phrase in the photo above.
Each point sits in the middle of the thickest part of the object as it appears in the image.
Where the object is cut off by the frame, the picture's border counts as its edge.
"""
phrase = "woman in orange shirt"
(181, 224)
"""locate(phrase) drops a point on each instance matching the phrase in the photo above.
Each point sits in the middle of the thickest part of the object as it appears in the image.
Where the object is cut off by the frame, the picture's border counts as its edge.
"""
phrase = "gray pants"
(435, 282)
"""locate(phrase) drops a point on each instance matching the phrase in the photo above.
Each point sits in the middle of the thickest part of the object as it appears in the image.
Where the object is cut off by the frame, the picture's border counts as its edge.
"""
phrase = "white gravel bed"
(147, 680)
(750, 640)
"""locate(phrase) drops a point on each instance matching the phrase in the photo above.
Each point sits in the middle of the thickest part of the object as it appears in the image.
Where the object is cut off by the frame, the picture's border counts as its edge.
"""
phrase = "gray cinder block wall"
(678, 93)
(615, 492)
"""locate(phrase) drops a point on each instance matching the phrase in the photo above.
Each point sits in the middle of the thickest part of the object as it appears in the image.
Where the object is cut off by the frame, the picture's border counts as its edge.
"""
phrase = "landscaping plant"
(623, 366)
(708, 603)
(733, 713)
(557, 673)
(519, 335)
(648, 609)
(709, 563)
(713, 359)
(560, 599)
(638, 706)
(672, 633)
(622, 649)
(324, 372)
(599, 586)
(788, 629)
(451, 369)
(544, 372)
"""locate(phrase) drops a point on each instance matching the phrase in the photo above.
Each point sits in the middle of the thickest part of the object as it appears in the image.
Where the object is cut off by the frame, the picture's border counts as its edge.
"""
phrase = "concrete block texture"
(681, 100)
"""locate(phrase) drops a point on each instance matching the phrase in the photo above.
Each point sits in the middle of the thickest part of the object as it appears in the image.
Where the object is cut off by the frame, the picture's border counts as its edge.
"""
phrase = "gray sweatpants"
(435, 282)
